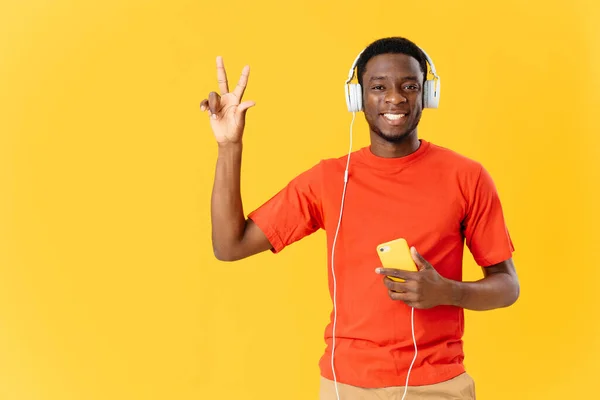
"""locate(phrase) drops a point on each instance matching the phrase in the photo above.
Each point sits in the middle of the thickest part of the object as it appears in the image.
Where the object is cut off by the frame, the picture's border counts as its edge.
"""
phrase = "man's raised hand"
(226, 110)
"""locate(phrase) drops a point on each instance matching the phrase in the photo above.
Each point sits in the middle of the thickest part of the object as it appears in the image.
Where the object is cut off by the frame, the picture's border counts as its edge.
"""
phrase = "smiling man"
(400, 186)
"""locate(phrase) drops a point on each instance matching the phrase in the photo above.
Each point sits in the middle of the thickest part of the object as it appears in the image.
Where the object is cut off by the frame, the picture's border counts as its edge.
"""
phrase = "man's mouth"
(394, 118)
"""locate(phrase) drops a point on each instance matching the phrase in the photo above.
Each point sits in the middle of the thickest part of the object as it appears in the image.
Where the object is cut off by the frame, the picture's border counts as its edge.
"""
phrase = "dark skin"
(392, 93)
(233, 236)
(393, 84)
(426, 288)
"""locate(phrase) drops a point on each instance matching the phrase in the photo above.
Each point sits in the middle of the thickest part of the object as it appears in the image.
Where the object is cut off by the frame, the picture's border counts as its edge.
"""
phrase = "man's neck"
(383, 148)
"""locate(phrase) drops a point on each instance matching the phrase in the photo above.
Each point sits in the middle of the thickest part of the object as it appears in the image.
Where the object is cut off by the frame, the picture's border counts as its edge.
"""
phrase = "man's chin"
(393, 137)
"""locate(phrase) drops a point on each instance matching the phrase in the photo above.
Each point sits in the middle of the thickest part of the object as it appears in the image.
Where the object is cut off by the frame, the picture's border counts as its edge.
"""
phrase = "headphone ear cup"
(431, 93)
(348, 100)
(358, 97)
(354, 97)
(427, 94)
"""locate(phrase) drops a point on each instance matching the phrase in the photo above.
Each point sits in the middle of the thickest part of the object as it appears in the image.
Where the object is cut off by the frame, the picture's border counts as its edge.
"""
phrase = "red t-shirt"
(437, 200)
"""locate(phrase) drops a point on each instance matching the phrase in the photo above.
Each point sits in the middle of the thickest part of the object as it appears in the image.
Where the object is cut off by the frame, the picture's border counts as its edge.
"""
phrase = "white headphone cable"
(333, 258)
(412, 311)
(412, 328)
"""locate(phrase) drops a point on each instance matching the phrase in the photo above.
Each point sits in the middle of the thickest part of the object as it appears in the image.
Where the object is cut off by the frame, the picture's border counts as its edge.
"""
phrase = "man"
(399, 187)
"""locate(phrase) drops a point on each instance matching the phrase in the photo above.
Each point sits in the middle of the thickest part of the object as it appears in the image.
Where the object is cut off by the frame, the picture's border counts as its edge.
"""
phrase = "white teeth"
(394, 117)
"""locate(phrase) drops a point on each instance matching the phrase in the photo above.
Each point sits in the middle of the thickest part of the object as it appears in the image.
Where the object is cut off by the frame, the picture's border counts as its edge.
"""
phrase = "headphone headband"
(429, 61)
(351, 72)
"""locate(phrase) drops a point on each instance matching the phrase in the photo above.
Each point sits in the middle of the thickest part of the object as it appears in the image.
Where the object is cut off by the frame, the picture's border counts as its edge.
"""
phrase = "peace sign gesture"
(227, 113)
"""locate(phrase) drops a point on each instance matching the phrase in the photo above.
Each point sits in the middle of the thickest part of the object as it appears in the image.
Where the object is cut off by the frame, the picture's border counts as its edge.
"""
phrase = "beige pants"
(460, 388)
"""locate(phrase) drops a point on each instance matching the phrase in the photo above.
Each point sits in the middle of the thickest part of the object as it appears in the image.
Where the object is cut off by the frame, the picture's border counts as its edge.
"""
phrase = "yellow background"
(108, 285)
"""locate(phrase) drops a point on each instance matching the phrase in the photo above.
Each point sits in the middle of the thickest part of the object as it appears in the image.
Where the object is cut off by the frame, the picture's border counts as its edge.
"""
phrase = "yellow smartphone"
(396, 254)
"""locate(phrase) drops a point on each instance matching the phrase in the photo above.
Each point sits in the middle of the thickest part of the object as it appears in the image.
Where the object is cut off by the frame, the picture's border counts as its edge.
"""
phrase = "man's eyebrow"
(406, 78)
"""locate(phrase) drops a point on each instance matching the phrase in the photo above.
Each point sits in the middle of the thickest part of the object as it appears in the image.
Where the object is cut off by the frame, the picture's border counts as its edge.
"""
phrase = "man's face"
(393, 95)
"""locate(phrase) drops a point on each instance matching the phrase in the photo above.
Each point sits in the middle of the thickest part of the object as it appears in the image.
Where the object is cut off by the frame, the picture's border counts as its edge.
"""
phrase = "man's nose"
(395, 96)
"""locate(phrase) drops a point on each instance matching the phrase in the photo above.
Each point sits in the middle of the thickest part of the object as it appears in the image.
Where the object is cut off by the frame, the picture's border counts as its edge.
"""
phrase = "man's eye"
(378, 87)
(411, 87)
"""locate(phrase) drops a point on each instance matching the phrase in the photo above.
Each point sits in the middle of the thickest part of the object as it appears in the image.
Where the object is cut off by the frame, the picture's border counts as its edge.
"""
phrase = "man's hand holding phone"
(424, 288)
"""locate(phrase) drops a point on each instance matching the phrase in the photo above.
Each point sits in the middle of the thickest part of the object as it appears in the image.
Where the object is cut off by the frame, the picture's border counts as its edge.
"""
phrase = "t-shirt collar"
(367, 156)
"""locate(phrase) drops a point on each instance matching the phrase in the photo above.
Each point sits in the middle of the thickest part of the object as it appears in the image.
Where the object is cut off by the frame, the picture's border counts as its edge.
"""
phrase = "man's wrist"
(230, 151)
(230, 146)
(454, 293)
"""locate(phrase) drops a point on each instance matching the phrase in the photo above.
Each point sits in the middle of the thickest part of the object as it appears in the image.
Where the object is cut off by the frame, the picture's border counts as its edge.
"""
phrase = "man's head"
(392, 74)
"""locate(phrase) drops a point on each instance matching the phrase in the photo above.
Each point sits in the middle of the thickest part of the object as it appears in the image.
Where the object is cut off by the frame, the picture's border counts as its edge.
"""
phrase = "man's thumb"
(243, 108)
(418, 258)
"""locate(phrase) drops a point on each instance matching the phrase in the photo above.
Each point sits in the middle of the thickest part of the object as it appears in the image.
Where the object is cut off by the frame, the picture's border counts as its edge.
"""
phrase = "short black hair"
(389, 45)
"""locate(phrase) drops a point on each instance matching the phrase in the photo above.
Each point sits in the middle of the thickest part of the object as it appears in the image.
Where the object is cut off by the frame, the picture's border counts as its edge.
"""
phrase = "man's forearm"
(227, 213)
(496, 290)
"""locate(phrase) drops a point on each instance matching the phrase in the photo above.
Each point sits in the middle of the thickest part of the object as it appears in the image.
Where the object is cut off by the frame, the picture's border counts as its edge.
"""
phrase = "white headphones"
(431, 91)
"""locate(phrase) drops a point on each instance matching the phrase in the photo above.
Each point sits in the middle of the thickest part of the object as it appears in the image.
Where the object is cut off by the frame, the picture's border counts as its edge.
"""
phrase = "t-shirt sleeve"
(485, 230)
(294, 212)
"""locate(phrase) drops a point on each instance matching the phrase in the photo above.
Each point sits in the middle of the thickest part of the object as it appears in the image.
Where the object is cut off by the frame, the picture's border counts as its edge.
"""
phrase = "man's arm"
(426, 288)
(233, 236)
(498, 288)
(489, 242)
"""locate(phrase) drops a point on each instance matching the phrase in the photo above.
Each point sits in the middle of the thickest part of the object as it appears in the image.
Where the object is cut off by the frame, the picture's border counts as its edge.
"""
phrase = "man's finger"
(241, 111)
(222, 76)
(406, 297)
(397, 273)
(410, 299)
(243, 107)
(402, 287)
(242, 83)
(419, 260)
(214, 103)
(204, 105)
